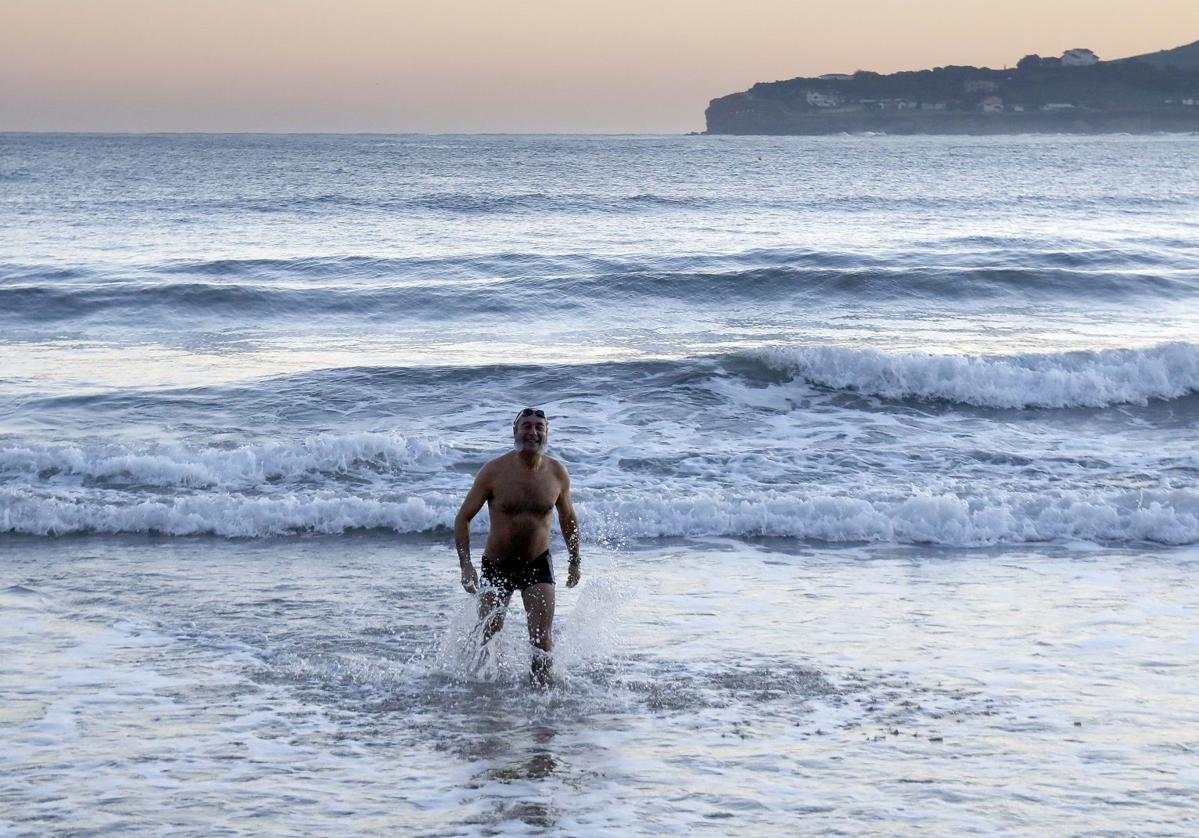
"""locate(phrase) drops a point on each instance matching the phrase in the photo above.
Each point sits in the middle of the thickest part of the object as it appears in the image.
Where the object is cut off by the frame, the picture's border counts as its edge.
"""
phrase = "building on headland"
(822, 99)
(888, 104)
(991, 104)
(836, 77)
(980, 86)
(1079, 58)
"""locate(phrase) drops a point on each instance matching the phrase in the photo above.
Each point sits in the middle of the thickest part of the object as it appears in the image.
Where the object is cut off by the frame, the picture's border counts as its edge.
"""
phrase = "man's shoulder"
(496, 463)
(510, 460)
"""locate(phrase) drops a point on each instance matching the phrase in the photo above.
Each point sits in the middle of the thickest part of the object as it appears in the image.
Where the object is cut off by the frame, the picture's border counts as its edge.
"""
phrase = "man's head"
(530, 430)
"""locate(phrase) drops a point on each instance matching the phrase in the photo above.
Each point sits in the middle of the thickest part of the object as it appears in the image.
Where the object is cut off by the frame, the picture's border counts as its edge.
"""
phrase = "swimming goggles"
(530, 411)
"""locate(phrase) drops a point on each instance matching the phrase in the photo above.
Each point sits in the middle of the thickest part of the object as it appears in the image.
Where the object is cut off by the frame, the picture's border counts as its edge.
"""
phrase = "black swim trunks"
(518, 574)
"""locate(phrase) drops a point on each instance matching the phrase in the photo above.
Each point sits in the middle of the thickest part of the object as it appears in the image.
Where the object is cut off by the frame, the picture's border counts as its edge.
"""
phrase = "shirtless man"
(520, 488)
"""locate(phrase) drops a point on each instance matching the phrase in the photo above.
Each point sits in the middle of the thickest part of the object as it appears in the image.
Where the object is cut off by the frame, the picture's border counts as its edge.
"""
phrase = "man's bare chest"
(523, 495)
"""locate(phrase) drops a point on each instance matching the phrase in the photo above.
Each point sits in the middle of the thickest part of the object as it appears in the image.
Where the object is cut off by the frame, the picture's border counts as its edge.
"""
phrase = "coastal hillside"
(1182, 58)
(1075, 92)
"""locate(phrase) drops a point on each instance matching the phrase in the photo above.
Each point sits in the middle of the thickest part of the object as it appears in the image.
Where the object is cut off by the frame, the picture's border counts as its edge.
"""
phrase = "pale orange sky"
(500, 65)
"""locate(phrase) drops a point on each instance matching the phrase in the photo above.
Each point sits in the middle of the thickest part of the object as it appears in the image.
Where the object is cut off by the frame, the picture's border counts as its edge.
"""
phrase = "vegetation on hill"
(1180, 58)
(1106, 85)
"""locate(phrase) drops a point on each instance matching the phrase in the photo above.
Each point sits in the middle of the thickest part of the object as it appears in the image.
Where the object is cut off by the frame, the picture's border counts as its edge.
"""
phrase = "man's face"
(531, 434)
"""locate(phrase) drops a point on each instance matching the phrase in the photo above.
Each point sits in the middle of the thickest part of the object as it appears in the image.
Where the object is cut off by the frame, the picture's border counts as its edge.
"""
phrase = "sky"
(522, 66)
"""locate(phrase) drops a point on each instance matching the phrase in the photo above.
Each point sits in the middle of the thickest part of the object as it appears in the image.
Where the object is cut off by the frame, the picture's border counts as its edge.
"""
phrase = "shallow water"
(315, 686)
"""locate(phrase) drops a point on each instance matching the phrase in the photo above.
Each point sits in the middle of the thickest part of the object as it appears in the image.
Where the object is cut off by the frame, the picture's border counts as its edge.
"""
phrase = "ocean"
(884, 451)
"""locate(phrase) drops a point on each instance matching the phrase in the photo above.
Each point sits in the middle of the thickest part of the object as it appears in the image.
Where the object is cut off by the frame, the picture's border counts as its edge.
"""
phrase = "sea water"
(884, 451)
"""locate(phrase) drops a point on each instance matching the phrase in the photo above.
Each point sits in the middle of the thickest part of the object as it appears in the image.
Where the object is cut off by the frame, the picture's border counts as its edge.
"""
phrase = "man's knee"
(539, 606)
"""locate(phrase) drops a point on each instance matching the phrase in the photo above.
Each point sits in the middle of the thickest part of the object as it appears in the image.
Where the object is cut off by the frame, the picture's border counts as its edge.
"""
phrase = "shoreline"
(773, 119)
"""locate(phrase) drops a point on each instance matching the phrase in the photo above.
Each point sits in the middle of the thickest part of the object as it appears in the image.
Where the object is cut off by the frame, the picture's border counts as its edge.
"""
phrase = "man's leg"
(492, 605)
(539, 607)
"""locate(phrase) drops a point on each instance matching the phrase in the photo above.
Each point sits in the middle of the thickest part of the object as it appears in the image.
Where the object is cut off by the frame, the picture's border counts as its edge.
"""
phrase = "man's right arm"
(475, 498)
(569, 523)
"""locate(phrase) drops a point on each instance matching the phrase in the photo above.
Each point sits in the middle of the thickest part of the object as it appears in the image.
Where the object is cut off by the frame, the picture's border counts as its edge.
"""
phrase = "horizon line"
(85, 132)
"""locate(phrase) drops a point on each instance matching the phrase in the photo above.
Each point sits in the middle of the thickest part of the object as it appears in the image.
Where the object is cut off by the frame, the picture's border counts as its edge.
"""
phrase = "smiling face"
(530, 433)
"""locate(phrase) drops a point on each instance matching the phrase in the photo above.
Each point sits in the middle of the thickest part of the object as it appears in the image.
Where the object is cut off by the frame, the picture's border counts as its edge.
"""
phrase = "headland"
(1076, 92)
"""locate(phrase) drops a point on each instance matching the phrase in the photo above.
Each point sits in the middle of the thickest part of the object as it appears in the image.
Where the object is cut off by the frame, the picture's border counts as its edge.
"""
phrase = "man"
(520, 489)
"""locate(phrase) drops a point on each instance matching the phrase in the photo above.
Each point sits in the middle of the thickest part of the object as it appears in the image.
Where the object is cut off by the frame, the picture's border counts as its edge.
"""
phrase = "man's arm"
(475, 498)
(570, 530)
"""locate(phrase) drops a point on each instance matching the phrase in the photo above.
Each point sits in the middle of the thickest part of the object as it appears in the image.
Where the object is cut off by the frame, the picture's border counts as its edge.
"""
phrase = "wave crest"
(1163, 517)
(246, 467)
(1063, 380)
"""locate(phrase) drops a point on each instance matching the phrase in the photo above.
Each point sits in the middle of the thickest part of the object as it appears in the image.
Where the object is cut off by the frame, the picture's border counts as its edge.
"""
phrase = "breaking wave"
(1164, 517)
(332, 483)
(1060, 380)
(356, 457)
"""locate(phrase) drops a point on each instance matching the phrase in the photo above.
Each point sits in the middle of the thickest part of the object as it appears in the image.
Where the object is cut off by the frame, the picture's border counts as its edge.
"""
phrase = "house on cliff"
(1079, 58)
(822, 99)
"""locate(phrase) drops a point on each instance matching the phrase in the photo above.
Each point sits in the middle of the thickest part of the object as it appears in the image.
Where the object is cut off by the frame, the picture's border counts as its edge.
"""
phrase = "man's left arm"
(570, 530)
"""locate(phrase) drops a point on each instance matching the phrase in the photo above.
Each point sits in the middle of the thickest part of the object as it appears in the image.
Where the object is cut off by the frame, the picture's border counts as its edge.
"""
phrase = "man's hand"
(470, 579)
(572, 575)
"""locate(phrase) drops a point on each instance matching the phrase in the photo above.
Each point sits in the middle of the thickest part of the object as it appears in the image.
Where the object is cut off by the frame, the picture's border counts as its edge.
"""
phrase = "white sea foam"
(218, 513)
(246, 466)
(1169, 517)
(1165, 516)
(1069, 379)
